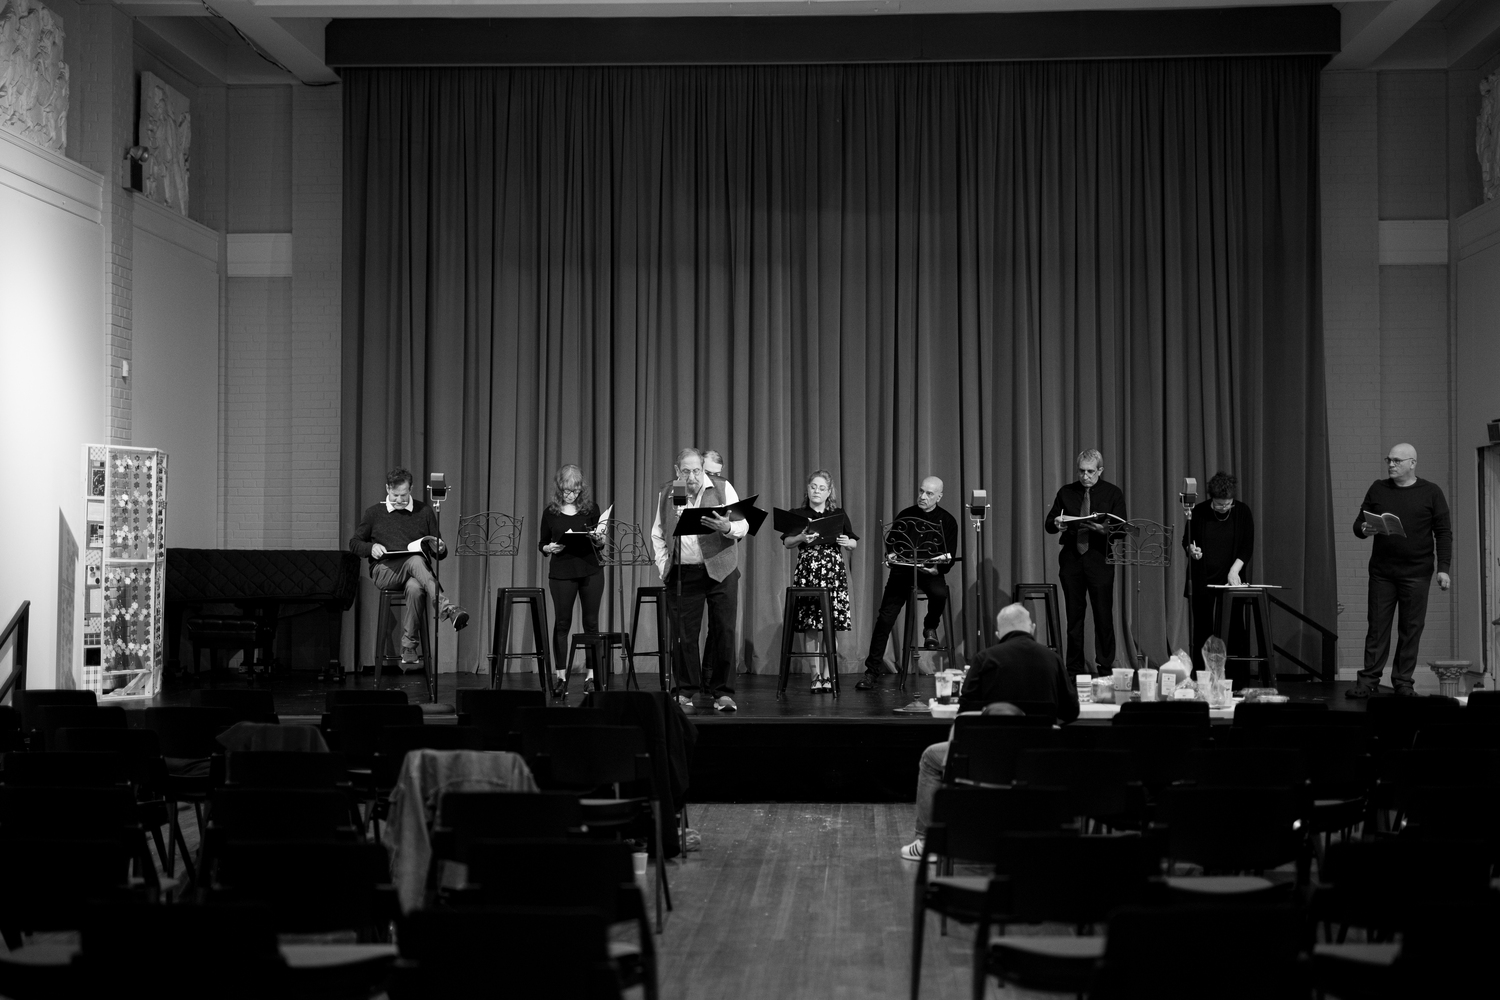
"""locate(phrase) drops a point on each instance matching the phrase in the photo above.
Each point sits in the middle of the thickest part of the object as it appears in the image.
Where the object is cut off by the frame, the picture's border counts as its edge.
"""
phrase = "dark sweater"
(949, 526)
(1222, 541)
(1018, 668)
(579, 558)
(394, 529)
(1105, 497)
(1424, 514)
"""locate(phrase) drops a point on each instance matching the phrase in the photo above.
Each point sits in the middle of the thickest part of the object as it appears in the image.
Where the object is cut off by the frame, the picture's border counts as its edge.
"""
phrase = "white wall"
(174, 374)
(1476, 251)
(52, 387)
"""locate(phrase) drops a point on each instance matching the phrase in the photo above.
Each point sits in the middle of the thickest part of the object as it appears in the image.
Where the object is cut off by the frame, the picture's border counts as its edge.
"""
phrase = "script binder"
(788, 523)
(690, 519)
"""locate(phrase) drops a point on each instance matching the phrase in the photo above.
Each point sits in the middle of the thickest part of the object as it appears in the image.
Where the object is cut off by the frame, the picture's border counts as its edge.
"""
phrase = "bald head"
(1012, 618)
(929, 493)
(1401, 464)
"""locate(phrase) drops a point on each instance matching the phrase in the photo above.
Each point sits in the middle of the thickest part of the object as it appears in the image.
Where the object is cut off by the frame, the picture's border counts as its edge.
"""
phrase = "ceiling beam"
(1373, 36)
(301, 56)
(1472, 35)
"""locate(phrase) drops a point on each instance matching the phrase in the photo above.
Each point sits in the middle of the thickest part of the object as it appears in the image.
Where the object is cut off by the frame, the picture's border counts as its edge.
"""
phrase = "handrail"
(1330, 643)
(20, 627)
(1299, 615)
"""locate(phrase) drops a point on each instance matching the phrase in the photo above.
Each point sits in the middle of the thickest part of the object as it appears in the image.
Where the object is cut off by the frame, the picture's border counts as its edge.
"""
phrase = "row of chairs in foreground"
(1295, 852)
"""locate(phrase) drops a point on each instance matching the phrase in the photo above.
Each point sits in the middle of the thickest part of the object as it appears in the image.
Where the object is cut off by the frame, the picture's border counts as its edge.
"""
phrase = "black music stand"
(915, 543)
(1140, 544)
(488, 535)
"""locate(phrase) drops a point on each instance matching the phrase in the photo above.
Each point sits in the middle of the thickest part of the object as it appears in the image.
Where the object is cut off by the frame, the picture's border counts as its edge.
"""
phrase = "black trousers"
(1386, 595)
(590, 589)
(1087, 579)
(897, 591)
(722, 598)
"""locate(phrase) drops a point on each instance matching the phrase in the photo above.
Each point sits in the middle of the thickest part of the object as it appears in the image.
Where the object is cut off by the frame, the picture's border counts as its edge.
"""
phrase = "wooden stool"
(596, 647)
(663, 652)
(1047, 594)
(501, 656)
(385, 622)
(830, 652)
(913, 634)
(1260, 610)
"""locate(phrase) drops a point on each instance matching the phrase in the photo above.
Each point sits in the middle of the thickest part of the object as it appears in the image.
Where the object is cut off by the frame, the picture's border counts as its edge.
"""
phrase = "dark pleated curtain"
(969, 271)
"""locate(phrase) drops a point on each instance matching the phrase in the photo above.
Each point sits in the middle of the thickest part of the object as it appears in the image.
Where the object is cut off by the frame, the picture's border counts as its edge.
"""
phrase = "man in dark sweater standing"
(1082, 559)
(929, 578)
(385, 536)
(1401, 567)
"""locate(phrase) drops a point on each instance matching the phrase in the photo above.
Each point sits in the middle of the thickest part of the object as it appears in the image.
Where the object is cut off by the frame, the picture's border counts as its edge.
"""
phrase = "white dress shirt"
(692, 552)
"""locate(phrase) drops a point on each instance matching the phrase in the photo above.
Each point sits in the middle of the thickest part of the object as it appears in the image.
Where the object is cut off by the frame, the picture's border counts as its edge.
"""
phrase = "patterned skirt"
(821, 566)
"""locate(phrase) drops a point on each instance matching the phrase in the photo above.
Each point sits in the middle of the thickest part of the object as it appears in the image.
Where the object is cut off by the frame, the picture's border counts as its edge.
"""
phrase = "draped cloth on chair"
(969, 271)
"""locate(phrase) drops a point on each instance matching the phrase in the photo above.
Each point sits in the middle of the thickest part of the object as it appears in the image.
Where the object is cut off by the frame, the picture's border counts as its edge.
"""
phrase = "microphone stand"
(435, 496)
(1188, 500)
(679, 501)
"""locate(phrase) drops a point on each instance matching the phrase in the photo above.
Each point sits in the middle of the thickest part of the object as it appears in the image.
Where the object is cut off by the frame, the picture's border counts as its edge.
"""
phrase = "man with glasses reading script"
(1082, 560)
(1409, 518)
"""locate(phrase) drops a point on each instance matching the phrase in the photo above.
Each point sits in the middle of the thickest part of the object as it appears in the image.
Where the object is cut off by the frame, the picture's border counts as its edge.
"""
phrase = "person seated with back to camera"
(1016, 668)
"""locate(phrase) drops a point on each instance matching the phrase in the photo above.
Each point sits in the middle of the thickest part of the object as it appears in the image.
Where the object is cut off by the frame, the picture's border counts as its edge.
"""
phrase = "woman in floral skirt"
(821, 564)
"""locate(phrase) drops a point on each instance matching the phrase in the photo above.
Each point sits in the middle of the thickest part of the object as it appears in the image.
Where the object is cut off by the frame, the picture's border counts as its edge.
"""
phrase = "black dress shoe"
(929, 638)
(869, 682)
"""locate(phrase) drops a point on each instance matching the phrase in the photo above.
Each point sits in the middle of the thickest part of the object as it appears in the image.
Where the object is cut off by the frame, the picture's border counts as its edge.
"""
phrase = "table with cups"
(1101, 697)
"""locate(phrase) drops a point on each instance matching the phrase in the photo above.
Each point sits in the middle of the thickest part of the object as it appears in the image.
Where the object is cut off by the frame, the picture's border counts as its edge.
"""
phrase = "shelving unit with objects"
(125, 498)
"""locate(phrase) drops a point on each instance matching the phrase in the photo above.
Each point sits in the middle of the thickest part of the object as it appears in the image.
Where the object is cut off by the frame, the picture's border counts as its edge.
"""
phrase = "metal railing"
(1330, 643)
(20, 628)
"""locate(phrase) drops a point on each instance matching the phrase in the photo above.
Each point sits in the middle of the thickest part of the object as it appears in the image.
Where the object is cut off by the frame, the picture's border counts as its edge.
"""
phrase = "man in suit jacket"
(1015, 669)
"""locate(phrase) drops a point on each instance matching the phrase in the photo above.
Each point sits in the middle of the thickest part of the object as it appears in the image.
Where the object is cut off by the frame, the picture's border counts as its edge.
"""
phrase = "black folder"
(690, 519)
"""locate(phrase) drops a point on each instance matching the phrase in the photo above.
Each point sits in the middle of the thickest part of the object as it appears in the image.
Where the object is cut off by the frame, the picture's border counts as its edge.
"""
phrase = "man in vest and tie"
(1082, 566)
(705, 571)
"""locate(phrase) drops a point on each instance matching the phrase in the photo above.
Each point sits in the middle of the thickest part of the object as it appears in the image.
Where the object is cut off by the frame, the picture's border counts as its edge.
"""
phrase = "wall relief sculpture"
(166, 132)
(33, 76)
(1487, 134)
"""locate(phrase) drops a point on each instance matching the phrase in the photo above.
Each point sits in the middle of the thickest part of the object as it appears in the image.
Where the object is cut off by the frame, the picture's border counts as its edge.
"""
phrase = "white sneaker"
(914, 851)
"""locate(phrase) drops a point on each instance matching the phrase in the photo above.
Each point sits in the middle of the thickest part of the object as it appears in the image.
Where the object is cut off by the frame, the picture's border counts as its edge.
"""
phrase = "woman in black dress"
(821, 564)
(1220, 541)
(575, 571)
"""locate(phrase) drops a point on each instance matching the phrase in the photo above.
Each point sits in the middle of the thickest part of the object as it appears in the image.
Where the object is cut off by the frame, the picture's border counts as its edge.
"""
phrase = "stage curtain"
(969, 271)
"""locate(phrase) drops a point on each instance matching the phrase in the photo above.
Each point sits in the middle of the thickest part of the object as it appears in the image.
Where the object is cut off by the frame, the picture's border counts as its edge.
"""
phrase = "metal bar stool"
(663, 652)
(596, 647)
(385, 623)
(912, 634)
(501, 656)
(830, 651)
(1232, 598)
(1047, 594)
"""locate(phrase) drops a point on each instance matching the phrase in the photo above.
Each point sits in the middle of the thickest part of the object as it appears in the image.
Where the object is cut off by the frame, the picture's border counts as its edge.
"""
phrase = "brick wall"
(281, 373)
(1385, 152)
(317, 287)
(1351, 327)
(106, 82)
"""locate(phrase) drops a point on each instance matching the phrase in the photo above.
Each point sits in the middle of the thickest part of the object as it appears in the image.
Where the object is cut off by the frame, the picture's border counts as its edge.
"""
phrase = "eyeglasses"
(1397, 461)
(1089, 472)
(567, 490)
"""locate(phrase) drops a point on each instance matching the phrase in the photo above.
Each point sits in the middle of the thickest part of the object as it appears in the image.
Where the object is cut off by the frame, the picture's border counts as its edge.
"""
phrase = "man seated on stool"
(383, 535)
(1017, 668)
